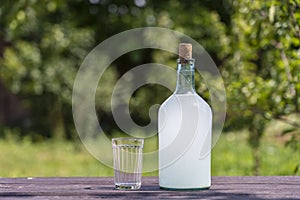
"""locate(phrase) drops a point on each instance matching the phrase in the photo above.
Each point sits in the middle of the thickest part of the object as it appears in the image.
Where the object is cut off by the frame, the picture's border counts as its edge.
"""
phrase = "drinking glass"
(128, 158)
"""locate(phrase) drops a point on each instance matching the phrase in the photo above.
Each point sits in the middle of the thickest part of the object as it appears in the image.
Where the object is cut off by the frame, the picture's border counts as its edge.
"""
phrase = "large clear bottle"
(185, 125)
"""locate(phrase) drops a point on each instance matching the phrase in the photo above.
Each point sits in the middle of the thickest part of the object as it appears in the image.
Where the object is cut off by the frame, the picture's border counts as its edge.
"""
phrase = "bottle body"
(184, 132)
(184, 142)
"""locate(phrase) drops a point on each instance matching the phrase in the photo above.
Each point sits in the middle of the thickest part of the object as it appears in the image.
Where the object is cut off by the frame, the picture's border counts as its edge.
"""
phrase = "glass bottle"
(184, 132)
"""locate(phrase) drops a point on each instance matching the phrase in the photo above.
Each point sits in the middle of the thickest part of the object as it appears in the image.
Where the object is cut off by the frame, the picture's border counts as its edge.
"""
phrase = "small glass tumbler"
(128, 159)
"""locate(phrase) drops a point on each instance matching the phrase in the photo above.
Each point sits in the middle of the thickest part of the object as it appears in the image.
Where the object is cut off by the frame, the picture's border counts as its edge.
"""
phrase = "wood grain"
(257, 187)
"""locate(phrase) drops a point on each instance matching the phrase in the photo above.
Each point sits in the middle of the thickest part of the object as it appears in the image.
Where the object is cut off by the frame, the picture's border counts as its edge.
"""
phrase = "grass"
(230, 157)
(52, 158)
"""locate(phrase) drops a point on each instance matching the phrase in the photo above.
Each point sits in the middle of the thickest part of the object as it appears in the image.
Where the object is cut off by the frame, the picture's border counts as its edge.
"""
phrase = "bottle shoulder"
(183, 100)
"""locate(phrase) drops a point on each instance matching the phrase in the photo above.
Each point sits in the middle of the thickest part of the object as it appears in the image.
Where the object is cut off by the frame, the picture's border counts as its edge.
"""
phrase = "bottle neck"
(185, 77)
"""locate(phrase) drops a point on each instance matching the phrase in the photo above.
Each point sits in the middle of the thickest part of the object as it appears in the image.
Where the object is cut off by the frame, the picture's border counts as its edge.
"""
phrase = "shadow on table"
(154, 192)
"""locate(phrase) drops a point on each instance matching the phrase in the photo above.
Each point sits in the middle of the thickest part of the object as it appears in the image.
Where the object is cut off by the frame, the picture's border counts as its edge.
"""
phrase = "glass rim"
(128, 138)
(129, 142)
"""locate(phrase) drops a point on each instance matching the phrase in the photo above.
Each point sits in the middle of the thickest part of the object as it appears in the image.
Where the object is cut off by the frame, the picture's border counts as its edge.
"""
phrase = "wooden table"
(259, 187)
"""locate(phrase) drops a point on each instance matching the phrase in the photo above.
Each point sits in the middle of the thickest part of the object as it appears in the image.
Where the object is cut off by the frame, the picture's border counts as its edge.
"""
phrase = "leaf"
(272, 11)
(286, 131)
(297, 168)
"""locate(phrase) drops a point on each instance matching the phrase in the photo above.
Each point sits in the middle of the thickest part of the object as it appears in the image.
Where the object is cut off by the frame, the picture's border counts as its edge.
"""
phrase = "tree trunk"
(255, 134)
(57, 122)
(256, 161)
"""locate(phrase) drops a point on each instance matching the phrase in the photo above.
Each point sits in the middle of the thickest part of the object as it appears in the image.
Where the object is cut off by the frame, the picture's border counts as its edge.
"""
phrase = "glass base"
(125, 186)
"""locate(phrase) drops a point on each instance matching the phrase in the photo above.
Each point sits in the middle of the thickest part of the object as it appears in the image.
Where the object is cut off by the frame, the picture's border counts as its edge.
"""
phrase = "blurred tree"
(44, 42)
(262, 73)
(255, 44)
(43, 48)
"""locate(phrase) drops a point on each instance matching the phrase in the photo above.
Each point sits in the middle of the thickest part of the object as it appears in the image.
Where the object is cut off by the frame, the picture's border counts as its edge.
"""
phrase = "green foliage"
(256, 45)
(44, 43)
(262, 73)
(41, 58)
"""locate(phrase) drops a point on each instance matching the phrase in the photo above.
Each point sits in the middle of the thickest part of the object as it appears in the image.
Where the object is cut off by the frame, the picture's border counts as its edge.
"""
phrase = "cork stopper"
(185, 51)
